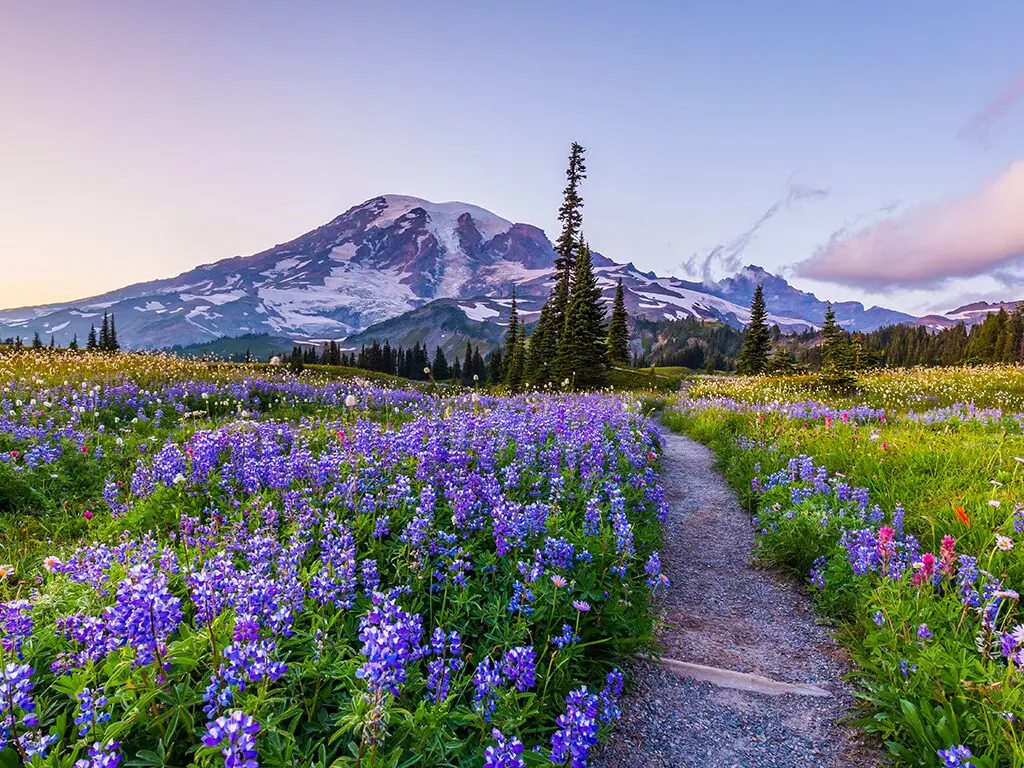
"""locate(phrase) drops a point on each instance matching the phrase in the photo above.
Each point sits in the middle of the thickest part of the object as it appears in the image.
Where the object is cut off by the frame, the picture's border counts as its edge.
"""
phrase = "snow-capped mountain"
(968, 314)
(379, 261)
(784, 299)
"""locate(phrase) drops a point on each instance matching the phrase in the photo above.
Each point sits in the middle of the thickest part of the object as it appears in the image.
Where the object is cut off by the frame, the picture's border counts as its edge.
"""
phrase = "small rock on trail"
(724, 612)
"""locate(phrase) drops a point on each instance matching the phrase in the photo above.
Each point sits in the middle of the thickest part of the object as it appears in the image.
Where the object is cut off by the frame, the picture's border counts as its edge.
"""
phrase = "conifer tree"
(37, 343)
(571, 216)
(74, 342)
(104, 342)
(91, 342)
(756, 339)
(781, 362)
(467, 365)
(456, 370)
(52, 342)
(583, 347)
(618, 329)
(835, 352)
(517, 370)
(511, 339)
(440, 366)
(542, 347)
(479, 366)
(112, 343)
(494, 367)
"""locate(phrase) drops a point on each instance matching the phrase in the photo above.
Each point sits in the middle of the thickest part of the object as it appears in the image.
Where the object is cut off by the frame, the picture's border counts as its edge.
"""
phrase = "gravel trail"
(724, 612)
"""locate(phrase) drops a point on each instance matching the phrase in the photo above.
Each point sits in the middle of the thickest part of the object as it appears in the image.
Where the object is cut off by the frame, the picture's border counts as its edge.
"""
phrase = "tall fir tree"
(104, 341)
(467, 366)
(781, 362)
(571, 215)
(479, 366)
(618, 329)
(835, 352)
(517, 369)
(37, 343)
(440, 366)
(542, 347)
(583, 347)
(113, 344)
(91, 342)
(756, 338)
(494, 367)
(511, 339)
(74, 342)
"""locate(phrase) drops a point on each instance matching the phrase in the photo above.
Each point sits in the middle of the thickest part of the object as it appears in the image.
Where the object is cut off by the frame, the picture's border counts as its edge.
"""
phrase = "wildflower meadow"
(212, 565)
(901, 503)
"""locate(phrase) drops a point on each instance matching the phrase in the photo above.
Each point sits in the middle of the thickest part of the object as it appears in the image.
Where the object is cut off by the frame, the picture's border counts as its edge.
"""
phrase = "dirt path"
(726, 614)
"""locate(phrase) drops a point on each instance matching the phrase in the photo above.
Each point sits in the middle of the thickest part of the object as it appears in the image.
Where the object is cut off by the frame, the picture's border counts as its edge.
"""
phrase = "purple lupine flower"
(879, 618)
(522, 599)
(235, 733)
(656, 580)
(145, 614)
(924, 632)
(519, 666)
(251, 662)
(486, 679)
(559, 553)
(956, 756)
(16, 700)
(247, 629)
(610, 696)
(391, 639)
(370, 576)
(335, 580)
(106, 755)
(16, 625)
(506, 753)
(592, 517)
(439, 670)
(818, 572)
(577, 729)
(89, 715)
(567, 638)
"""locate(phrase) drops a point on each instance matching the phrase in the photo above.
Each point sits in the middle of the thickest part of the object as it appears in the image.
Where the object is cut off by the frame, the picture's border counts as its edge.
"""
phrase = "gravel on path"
(723, 611)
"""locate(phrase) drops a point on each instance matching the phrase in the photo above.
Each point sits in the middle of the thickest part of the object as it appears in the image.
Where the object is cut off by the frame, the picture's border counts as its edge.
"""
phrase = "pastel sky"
(880, 143)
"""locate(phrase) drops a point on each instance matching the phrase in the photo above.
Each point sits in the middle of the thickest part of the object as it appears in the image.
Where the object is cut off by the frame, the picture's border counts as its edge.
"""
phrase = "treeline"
(103, 341)
(839, 354)
(997, 339)
(413, 363)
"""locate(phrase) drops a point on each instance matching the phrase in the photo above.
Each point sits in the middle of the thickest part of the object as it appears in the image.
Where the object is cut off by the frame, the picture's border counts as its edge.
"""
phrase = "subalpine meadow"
(206, 563)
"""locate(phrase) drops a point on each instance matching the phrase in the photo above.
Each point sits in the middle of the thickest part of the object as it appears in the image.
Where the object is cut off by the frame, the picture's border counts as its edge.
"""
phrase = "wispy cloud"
(976, 130)
(926, 246)
(728, 256)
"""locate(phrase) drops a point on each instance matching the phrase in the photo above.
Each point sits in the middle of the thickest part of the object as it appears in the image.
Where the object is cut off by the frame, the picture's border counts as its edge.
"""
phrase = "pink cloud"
(977, 128)
(930, 244)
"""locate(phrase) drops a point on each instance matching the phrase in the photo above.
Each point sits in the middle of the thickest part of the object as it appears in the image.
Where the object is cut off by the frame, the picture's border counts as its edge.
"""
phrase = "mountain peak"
(442, 216)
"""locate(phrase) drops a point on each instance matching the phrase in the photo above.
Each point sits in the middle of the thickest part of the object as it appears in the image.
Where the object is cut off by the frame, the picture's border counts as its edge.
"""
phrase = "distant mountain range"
(407, 270)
